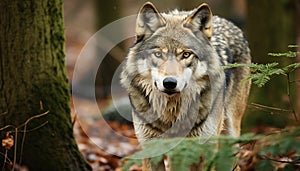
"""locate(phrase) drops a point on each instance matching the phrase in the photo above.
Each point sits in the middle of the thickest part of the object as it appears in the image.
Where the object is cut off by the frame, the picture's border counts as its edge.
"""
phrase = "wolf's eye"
(186, 54)
(157, 54)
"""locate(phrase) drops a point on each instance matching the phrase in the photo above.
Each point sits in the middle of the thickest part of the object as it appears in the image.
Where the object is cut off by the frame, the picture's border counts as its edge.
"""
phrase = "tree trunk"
(298, 58)
(106, 12)
(33, 81)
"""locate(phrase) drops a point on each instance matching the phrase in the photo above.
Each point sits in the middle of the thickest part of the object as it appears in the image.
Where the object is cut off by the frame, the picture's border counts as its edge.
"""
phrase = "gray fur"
(208, 100)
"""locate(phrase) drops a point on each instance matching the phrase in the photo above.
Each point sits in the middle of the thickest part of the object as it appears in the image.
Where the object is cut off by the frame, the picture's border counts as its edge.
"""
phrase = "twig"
(25, 127)
(33, 117)
(289, 96)
(280, 161)
(295, 81)
(4, 113)
(16, 131)
(23, 139)
(5, 157)
(268, 108)
(15, 149)
(7, 126)
(33, 129)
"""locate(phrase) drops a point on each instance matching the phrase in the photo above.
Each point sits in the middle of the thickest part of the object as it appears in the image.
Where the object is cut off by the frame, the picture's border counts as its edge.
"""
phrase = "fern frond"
(293, 46)
(183, 152)
(260, 73)
(289, 54)
(292, 67)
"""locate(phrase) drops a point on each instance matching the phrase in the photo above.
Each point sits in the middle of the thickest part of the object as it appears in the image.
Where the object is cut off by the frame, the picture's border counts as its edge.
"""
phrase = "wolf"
(175, 78)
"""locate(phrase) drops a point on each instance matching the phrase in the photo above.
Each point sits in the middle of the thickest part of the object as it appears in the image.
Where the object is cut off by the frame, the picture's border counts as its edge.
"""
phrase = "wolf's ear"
(148, 20)
(200, 19)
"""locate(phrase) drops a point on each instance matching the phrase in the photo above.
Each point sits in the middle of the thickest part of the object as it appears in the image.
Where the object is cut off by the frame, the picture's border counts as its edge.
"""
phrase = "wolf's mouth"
(170, 92)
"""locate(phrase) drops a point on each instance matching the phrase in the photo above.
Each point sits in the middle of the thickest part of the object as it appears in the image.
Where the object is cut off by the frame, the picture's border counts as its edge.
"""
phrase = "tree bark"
(32, 81)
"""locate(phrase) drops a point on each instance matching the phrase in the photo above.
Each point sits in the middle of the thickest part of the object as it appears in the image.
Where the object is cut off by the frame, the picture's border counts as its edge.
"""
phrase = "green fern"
(187, 156)
(262, 73)
(131, 162)
(188, 151)
(291, 68)
(183, 152)
(289, 54)
(285, 142)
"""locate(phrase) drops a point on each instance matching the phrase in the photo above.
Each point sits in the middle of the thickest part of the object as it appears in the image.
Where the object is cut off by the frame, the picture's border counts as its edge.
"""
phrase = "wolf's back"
(232, 47)
(229, 42)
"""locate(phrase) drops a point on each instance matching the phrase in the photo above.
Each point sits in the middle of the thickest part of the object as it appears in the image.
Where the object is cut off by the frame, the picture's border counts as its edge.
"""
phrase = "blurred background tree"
(107, 12)
(270, 27)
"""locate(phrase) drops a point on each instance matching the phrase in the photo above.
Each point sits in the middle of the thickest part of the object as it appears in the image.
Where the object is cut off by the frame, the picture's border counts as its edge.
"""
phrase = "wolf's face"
(171, 71)
(172, 50)
(171, 64)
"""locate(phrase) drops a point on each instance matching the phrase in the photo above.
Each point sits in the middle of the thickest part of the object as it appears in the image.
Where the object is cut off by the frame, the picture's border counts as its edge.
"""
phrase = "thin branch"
(16, 130)
(15, 149)
(280, 161)
(23, 139)
(5, 158)
(295, 81)
(33, 117)
(7, 126)
(9, 161)
(268, 108)
(290, 98)
(22, 144)
(33, 129)
(4, 113)
(25, 127)
(27, 121)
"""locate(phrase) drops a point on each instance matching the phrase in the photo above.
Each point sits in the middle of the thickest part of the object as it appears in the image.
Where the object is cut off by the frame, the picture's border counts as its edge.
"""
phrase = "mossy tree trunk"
(270, 28)
(33, 81)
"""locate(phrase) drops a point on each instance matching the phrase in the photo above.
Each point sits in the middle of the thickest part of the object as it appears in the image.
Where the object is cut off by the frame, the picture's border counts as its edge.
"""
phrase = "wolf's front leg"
(148, 166)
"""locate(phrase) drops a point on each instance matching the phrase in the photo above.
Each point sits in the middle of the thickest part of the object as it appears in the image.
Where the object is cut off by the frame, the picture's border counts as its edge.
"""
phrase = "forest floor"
(104, 143)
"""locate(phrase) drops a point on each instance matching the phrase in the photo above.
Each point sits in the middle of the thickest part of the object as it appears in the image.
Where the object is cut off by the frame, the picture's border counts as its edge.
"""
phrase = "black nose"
(170, 83)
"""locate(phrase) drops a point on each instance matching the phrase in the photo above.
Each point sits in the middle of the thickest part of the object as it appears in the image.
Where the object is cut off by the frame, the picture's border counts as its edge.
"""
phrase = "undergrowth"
(9, 142)
(279, 150)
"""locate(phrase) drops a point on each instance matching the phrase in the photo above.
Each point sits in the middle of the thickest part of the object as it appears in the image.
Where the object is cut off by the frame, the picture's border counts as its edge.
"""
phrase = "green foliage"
(188, 158)
(265, 165)
(262, 73)
(183, 152)
(284, 143)
(220, 152)
(131, 162)
(284, 148)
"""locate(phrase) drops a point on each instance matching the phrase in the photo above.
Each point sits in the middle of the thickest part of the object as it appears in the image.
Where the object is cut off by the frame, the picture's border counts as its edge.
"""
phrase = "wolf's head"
(172, 51)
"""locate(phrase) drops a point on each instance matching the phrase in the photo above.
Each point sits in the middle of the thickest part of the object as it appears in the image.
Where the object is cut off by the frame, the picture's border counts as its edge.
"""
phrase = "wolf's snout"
(170, 83)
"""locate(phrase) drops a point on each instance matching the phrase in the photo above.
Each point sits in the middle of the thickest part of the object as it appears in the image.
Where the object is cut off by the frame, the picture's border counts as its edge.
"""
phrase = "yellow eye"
(157, 54)
(186, 54)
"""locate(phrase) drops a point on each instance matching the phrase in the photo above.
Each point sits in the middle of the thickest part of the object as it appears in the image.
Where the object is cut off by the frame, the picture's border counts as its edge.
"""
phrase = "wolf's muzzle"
(170, 83)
